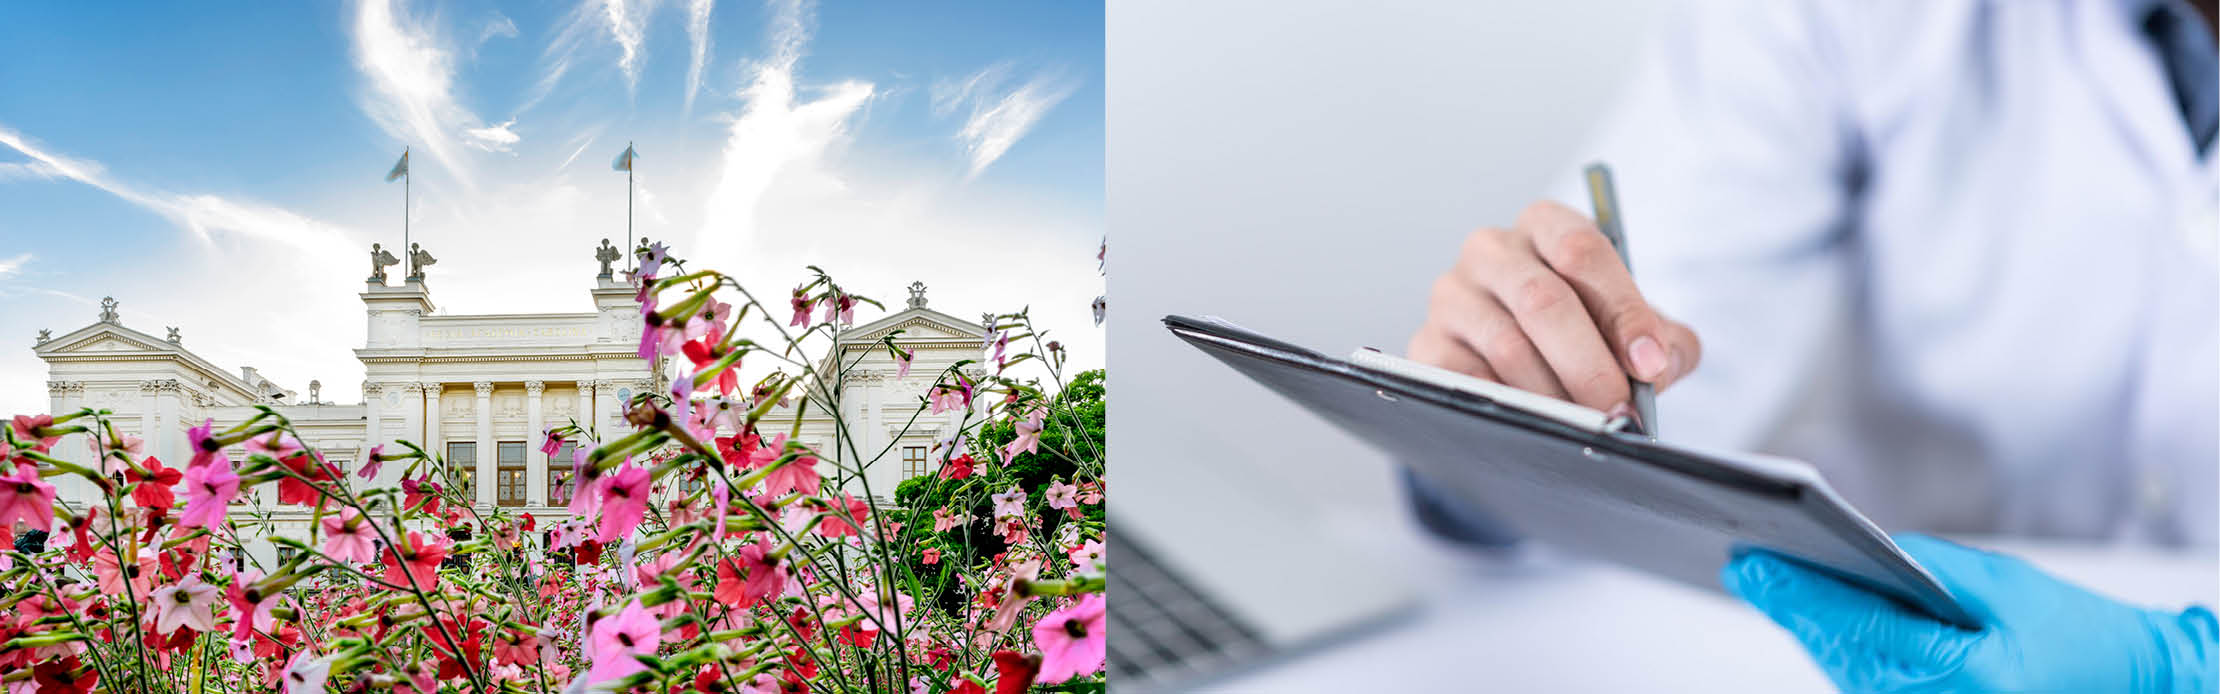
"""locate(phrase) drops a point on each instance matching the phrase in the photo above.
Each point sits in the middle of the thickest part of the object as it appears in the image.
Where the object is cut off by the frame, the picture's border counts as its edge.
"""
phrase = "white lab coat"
(1959, 254)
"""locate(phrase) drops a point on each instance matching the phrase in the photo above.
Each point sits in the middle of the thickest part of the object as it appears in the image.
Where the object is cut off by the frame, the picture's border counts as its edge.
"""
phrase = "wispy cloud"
(697, 31)
(627, 21)
(998, 117)
(411, 80)
(497, 138)
(13, 265)
(205, 215)
(500, 26)
(776, 135)
(27, 170)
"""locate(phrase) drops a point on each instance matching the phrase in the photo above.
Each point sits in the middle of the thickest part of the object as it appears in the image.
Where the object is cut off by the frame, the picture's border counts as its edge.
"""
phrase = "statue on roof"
(917, 295)
(380, 259)
(418, 260)
(45, 335)
(607, 254)
(174, 338)
(108, 310)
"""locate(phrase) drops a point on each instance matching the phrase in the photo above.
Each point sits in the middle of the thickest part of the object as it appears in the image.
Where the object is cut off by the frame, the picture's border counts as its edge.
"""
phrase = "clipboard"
(1577, 479)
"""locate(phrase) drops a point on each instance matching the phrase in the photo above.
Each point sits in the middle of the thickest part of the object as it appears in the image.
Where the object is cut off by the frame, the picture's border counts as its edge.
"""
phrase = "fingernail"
(1649, 358)
(1620, 410)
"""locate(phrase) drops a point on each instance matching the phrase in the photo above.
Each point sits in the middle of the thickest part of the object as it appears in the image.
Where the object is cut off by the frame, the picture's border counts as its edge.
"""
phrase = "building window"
(462, 456)
(913, 461)
(510, 474)
(558, 474)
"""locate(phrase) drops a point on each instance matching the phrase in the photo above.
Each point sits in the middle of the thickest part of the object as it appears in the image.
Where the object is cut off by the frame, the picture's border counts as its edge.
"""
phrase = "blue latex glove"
(2041, 634)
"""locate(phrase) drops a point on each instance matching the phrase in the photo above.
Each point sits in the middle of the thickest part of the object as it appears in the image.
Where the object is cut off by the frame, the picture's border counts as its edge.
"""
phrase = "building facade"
(480, 389)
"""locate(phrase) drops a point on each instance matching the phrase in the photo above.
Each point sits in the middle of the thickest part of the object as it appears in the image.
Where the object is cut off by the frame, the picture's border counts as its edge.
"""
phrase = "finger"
(1572, 246)
(1551, 315)
(1431, 345)
(1685, 351)
(1859, 636)
(1488, 330)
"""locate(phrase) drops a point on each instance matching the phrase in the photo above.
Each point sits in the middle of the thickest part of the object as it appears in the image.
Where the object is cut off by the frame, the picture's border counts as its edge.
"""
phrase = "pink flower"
(25, 497)
(585, 479)
(373, 462)
(115, 575)
(1086, 555)
(1028, 437)
(802, 303)
(205, 446)
(797, 475)
(943, 519)
(902, 363)
(845, 509)
(190, 603)
(932, 555)
(209, 490)
(276, 444)
(348, 537)
(306, 674)
(624, 502)
(1010, 503)
(751, 577)
(1072, 640)
(27, 428)
(617, 639)
(550, 443)
(1062, 495)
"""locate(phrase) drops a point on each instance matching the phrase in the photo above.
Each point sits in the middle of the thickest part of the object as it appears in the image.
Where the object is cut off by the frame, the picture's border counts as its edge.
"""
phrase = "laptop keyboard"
(1162, 629)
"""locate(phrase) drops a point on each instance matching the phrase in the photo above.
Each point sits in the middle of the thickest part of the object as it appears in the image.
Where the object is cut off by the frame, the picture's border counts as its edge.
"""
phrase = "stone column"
(585, 410)
(412, 413)
(874, 428)
(431, 418)
(485, 481)
(165, 434)
(373, 397)
(535, 462)
(605, 394)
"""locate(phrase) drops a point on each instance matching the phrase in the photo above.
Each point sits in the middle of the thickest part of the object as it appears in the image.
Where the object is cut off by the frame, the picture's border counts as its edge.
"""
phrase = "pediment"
(916, 324)
(105, 338)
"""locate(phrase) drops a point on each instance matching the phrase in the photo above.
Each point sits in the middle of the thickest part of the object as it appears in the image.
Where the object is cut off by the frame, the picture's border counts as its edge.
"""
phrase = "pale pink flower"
(1062, 495)
(1009, 503)
(306, 674)
(943, 519)
(624, 502)
(1086, 555)
(190, 603)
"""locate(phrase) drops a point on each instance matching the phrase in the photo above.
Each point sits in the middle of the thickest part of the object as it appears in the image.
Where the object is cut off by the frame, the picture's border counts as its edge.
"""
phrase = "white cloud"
(628, 27)
(697, 31)
(411, 80)
(28, 170)
(13, 265)
(998, 118)
(497, 138)
(500, 26)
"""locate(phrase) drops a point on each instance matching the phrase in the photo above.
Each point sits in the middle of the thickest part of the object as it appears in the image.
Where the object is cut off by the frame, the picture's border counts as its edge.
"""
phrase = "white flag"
(624, 161)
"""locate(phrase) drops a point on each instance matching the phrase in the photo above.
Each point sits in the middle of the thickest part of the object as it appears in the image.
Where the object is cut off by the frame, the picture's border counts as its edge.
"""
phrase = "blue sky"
(219, 168)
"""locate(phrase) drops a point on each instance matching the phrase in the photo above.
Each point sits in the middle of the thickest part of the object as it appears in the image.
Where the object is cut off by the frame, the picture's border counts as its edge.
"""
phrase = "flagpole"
(628, 166)
(408, 176)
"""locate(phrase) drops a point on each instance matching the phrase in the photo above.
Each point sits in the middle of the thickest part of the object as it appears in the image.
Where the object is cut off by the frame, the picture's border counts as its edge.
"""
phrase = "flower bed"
(708, 550)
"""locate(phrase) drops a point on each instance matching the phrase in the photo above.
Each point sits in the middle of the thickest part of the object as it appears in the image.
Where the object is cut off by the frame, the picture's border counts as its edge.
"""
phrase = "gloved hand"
(2041, 634)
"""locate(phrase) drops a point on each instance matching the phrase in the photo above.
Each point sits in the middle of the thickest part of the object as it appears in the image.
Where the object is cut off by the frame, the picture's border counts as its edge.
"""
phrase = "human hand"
(1547, 307)
(2041, 634)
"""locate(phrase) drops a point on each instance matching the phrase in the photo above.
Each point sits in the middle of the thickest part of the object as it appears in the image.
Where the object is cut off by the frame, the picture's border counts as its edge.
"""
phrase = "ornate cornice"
(432, 389)
(161, 385)
(484, 388)
(535, 388)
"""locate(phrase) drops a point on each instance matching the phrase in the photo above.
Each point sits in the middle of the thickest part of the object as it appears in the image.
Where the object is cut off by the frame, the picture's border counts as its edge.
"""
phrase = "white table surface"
(1557, 625)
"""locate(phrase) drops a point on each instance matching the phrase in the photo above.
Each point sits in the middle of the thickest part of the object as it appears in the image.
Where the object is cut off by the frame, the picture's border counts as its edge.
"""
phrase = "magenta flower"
(372, 463)
(550, 443)
(802, 303)
(205, 446)
(209, 490)
(584, 483)
(617, 639)
(624, 502)
(25, 497)
(1072, 640)
(348, 537)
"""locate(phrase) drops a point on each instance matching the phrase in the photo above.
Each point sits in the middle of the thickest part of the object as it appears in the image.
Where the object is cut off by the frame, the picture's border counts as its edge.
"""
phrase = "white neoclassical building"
(480, 389)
